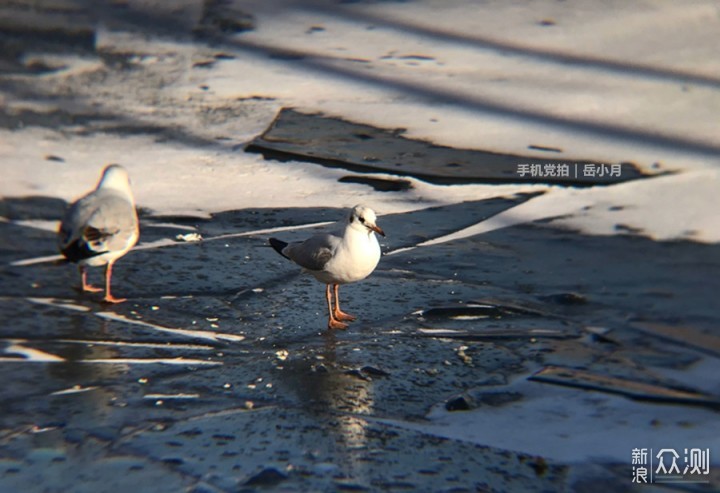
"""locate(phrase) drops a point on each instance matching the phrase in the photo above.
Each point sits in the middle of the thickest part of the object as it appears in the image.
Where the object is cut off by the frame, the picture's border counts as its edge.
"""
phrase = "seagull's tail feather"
(79, 250)
(279, 246)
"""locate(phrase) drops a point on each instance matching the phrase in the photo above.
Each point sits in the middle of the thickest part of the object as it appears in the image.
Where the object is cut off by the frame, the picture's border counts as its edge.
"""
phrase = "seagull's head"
(116, 177)
(363, 218)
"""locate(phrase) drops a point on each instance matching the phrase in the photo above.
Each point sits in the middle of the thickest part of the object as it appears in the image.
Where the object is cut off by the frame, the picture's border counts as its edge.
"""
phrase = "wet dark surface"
(265, 397)
(218, 374)
(338, 143)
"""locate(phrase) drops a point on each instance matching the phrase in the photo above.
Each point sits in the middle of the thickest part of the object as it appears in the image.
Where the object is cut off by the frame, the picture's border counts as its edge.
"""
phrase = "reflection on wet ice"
(327, 391)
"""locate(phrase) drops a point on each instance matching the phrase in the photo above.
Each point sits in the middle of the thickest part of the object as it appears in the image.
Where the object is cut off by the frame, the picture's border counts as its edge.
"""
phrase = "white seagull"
(101, 227)
(336, 260)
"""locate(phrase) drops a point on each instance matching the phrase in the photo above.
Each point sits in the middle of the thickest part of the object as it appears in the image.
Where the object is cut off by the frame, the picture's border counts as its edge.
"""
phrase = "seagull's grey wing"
(314, 252)
(100, 222)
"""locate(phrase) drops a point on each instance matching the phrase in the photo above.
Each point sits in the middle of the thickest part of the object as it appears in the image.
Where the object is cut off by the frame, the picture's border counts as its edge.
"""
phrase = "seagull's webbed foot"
(89, 288)
(111, 299)
(85, 286)
(337, 313)
(345, 317)
(336, 324)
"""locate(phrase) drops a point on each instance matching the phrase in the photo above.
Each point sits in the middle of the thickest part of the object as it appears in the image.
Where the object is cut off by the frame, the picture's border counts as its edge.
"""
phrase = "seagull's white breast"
(355, 258)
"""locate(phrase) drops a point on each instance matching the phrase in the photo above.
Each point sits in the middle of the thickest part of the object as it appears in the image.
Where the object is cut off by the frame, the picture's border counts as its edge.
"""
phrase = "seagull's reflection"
(70, 379)
(325, 387)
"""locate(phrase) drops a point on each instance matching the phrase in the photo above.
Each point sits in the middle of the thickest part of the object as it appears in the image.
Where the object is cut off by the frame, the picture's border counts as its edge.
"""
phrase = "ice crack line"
(167, 242)
(196, 334)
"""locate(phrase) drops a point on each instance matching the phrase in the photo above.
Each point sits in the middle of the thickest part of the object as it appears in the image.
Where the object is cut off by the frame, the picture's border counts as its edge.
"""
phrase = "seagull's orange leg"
(109, 298)
(337, 313)
(333, 323)
(83, 279)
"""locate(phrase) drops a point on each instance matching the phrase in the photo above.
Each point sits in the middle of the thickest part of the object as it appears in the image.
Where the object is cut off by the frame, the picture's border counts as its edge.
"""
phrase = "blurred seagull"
(101, 227)
(336, 260)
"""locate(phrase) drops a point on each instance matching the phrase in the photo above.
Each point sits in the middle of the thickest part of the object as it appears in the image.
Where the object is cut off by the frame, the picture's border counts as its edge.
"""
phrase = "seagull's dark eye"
(362, 219)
